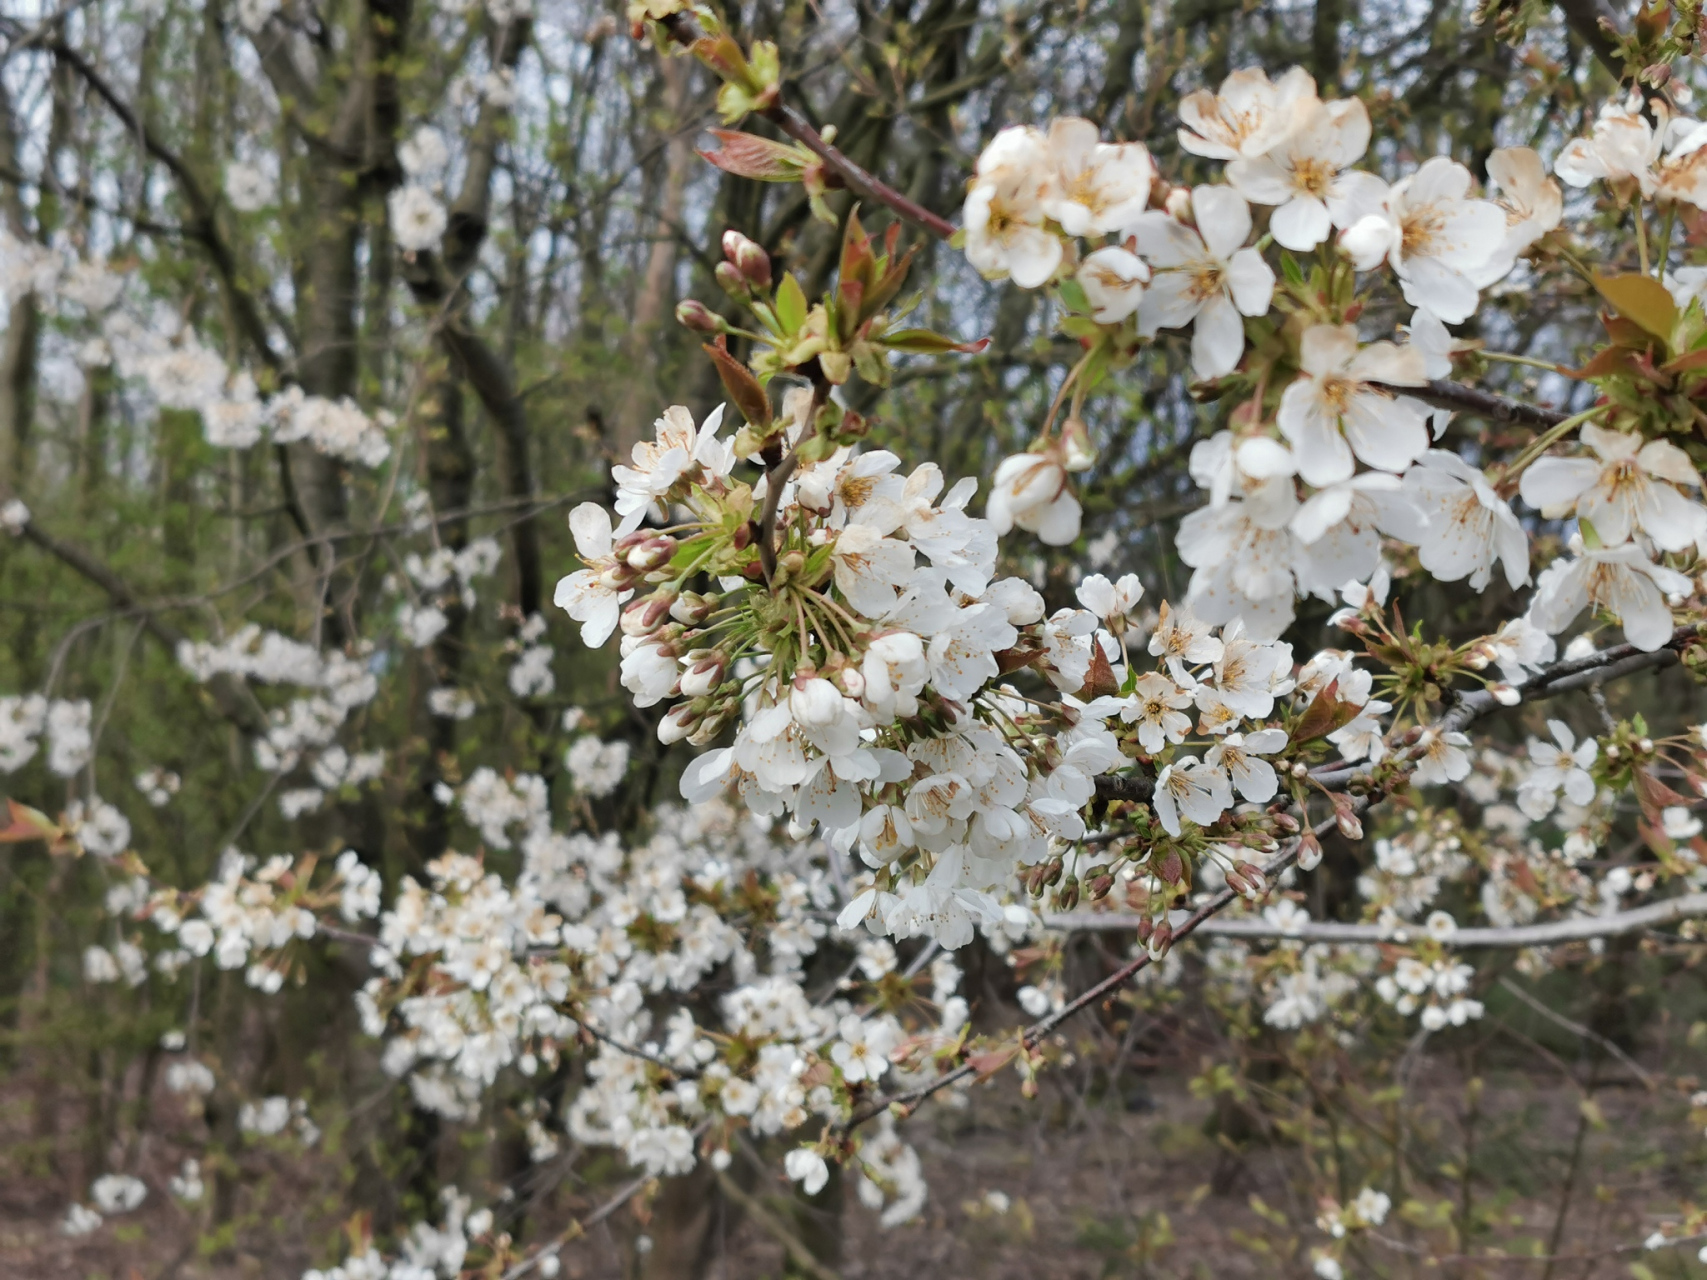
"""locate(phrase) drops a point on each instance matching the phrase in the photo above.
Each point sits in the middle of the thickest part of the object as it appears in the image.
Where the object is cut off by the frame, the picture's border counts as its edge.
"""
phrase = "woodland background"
(534, 348)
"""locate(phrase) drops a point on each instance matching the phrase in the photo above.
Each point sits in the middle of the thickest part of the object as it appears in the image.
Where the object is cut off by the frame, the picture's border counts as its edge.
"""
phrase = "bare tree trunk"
(657, 288)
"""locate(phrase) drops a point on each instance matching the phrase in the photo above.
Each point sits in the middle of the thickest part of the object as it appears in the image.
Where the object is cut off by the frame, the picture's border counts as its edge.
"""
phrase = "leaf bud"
(693, 314)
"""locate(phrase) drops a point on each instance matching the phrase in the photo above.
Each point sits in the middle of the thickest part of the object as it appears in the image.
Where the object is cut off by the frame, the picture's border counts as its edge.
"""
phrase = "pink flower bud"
(693, 314)
(677, 724)
(652, 554)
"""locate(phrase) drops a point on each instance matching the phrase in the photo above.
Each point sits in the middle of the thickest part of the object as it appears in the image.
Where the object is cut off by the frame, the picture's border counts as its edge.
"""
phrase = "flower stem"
(1550, 437)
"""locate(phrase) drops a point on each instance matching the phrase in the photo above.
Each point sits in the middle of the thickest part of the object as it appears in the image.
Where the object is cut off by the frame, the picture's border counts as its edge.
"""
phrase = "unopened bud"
(1309, 852)
(1254, 878)
(851, 681)
(644, 616)
(744, 536)
(704, 672)
(1178, 203)
(1286, 822)
(1079, 454)
(1645, 746)
(693, 314)
(1612, 752)
(677, 723)
(1146, 927)
(1034, 880)
(1098, 888)
(1351, 827)
(1069, 895)
(749, 259)
(691, 608)
(787, 566)
(1477, 660)
(652, 553)
(1160, 941)
(1505, 695)
(1300, 769)
(731, 280)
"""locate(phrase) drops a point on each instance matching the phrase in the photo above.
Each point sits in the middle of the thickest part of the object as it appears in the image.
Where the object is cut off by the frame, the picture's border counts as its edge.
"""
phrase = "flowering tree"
(1426, 434)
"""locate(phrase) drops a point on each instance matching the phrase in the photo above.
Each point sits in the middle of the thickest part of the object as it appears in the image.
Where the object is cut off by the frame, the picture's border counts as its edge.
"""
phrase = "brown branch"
(201, 226)
(233, 700)
(1484, 404)
(685, 31)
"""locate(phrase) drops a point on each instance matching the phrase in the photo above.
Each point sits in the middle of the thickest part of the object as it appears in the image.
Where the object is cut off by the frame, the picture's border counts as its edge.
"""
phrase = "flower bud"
(692, 608)
(749, 259)
(1309, 852)
(644, 616)
(851, 681)
(1069, 894)
(1098, 888)
(732, 281)
(1146, 927)
(693, 314)
(1351, 827)
(677, 723)
(1034, 884)
(1286, 822)
(1178, 203)
(1052, 871)
(704, 672)
(1160, 941)
(654, 553)
(1505, 695)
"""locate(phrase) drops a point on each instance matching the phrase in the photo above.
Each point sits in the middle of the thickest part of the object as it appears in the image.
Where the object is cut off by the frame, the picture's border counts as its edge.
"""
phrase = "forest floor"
(1063, 1188)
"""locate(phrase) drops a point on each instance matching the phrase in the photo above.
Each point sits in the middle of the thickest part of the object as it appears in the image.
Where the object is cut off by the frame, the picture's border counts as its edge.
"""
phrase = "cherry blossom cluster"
(164, 357)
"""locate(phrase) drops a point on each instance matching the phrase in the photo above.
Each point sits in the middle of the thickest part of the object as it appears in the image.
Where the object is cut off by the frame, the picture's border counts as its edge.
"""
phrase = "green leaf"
(924, 342)
(1073, 296)
(743, 388)
(1641, 299)
(790, 305)
(1291, 270)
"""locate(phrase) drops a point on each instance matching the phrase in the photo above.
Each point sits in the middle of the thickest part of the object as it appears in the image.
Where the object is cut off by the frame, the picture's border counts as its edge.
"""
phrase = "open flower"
(593, 596)
(1204, 275)
(1532, 201)
(1338, 405)
(1096, 187)
(1621, 580)
(1628, 486)
(1562, 764)
(1186, 787)
(1306, 177)
(1155, 706)
(1239, 756)
(1113, 280)
(1470, 528)
(1031, 490)
(1622, 149)
(1436, 238)
(662, 461)
(1249, 116)
(1441, 758)
(1004, 214)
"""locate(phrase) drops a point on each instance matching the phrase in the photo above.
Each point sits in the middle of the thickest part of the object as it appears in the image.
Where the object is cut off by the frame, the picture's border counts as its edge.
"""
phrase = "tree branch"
(1689, 906)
